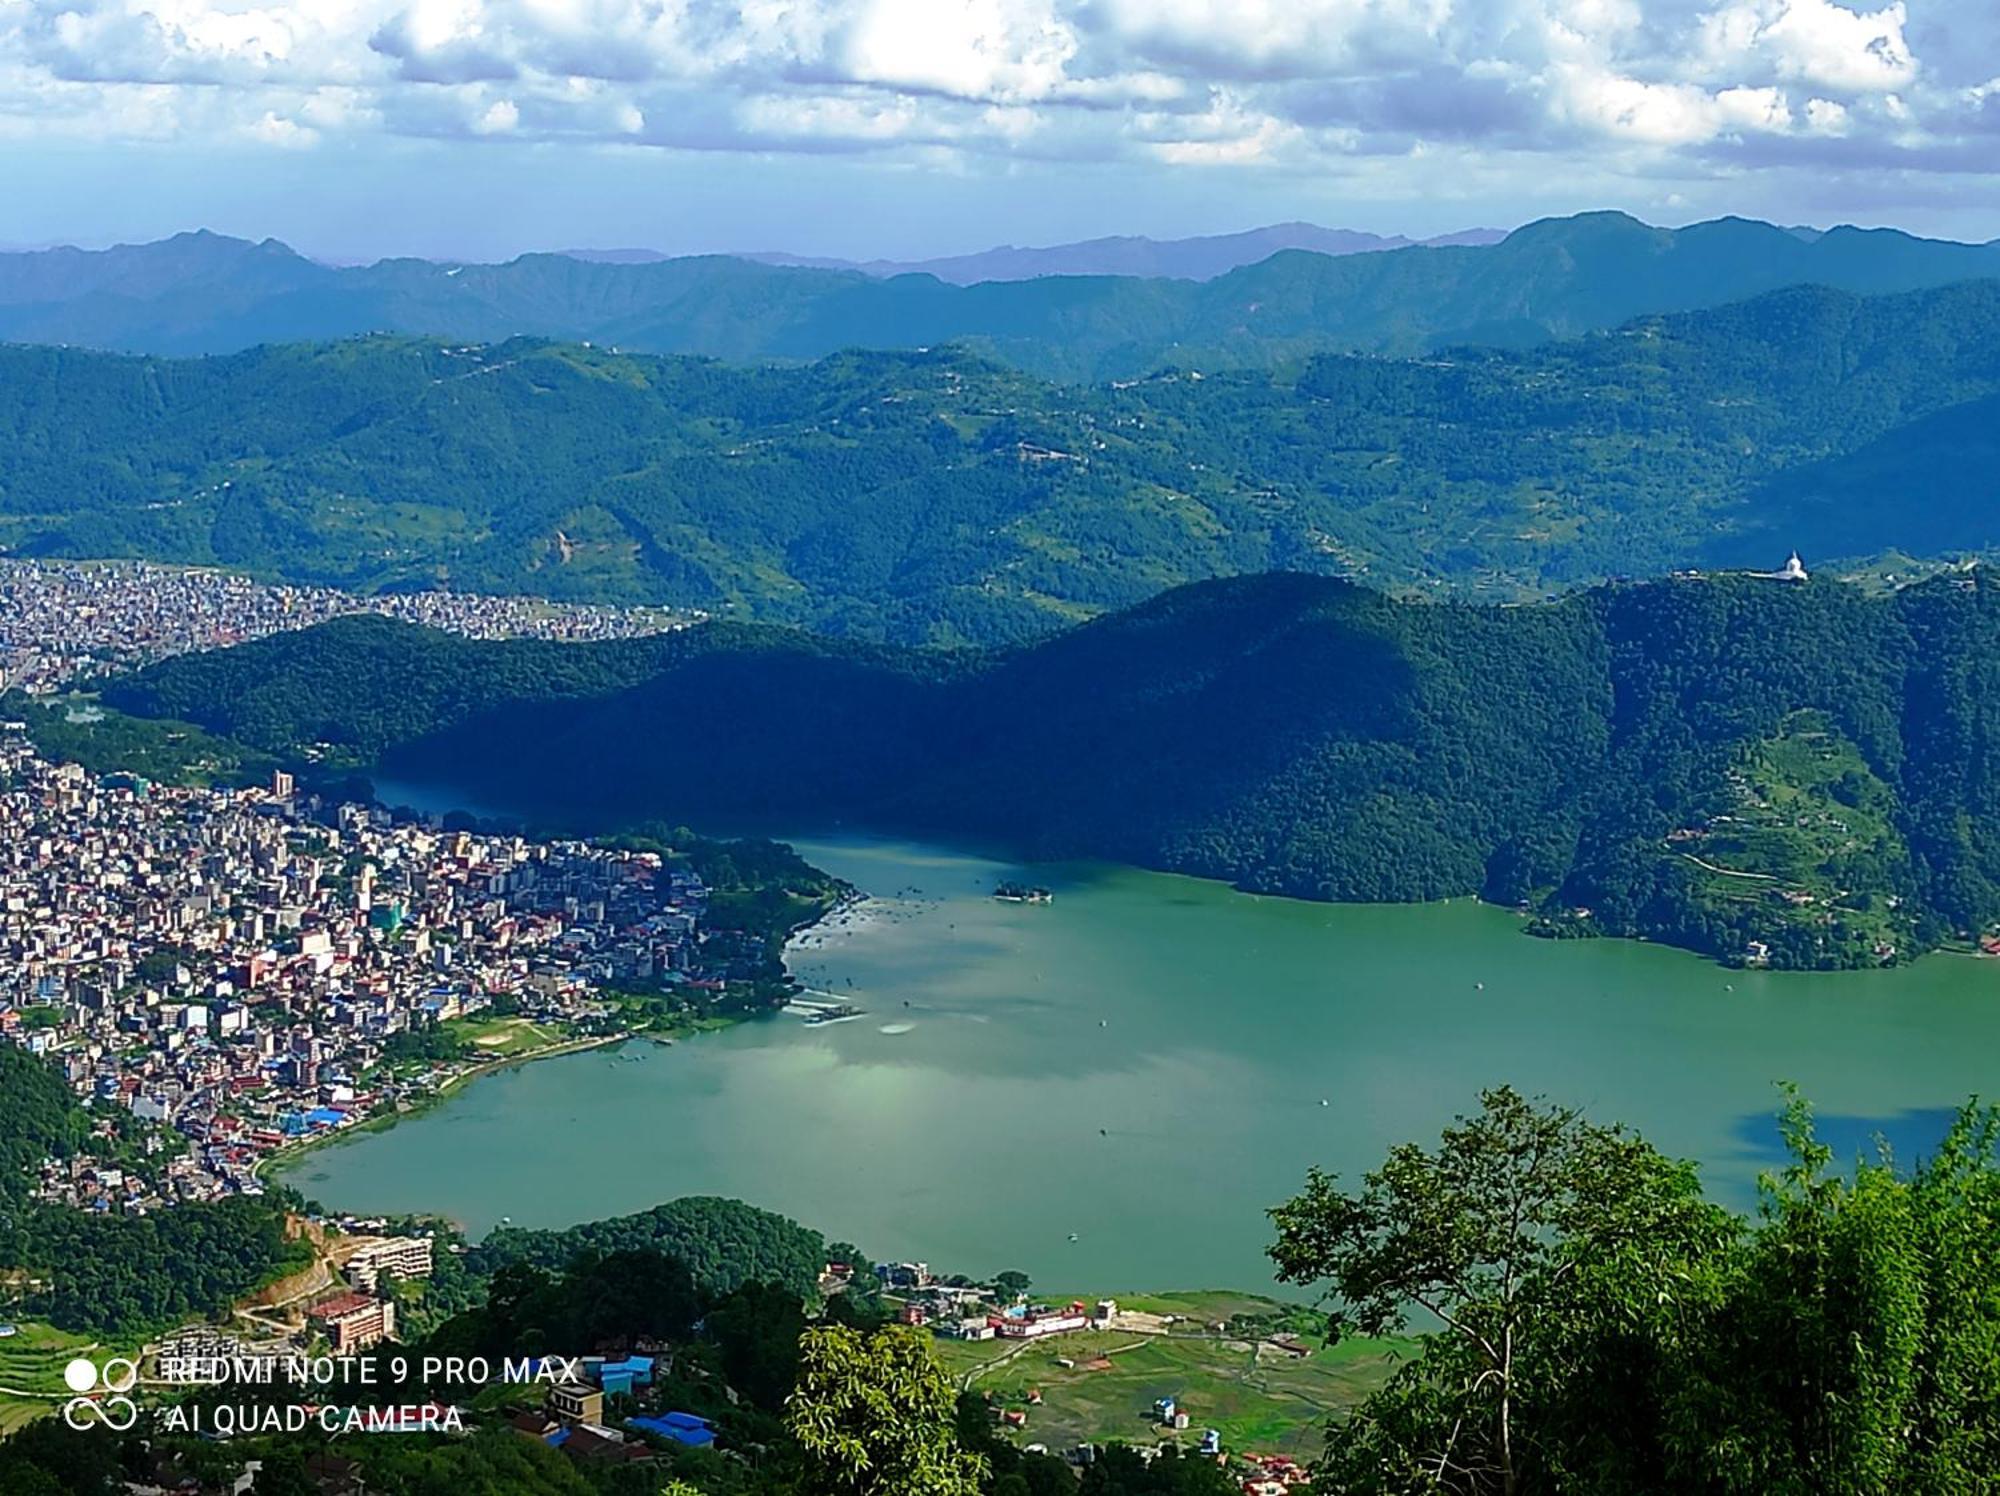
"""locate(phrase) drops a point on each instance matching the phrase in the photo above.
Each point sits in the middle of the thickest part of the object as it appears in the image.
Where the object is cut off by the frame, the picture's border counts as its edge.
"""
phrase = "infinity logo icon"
(118, 1376)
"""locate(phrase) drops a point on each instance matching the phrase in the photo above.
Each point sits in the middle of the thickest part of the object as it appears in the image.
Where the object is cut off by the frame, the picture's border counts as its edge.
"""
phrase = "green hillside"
(939, 498)
(1714, 763)
(200, 293)
(111, 1273)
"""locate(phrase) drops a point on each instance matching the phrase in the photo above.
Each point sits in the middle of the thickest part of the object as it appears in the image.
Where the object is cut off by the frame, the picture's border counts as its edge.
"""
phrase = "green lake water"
(1150, 1062)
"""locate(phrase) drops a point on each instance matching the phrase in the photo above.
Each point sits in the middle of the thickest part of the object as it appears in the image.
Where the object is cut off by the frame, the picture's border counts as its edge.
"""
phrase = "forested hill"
(937, 497)
(118, 1274)
(1710, 762)
(201, 293)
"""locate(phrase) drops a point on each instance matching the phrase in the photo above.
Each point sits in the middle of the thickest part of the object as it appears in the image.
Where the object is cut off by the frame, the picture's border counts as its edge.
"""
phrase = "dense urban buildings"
(246, 969)
(64, 621)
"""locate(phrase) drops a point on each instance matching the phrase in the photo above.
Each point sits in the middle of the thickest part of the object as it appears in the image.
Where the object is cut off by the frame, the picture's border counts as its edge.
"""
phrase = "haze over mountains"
(204, 294)
(1200, 258)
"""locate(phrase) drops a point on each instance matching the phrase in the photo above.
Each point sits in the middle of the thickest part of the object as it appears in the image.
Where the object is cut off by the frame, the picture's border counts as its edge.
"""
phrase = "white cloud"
(975, 49)
(1671, 114)
(1251, 84)
(498, 118)
(1272, 38)
(1813, 41)
(273, 129)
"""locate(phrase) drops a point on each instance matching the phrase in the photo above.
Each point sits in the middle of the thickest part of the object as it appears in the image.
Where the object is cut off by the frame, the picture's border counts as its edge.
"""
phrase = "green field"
(31, 1371)
(1262, 1399)
(502, 1038)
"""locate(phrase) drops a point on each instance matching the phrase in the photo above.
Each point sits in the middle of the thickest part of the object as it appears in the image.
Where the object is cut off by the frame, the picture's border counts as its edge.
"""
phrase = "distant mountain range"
(1713, 763)
(200, 293)
(1201, 258)
(942, 498)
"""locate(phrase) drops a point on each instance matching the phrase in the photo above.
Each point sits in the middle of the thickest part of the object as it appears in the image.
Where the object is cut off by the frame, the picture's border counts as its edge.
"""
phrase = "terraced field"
(31, 1371)
(1809, 826)
(1261, 1398)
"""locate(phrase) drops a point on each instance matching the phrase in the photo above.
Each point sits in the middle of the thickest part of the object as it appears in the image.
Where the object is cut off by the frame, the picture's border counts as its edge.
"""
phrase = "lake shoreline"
(290, 1155)
(1561, 927)
(1113, 1088)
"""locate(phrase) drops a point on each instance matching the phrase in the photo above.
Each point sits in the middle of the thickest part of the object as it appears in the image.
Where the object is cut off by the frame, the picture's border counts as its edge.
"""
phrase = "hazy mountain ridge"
(939, 497)
(1292, 734)
(1202, 257)
(1558, 277)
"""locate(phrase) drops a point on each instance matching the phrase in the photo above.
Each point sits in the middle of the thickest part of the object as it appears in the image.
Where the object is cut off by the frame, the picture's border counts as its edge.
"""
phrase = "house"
(396, 1256)
(618, 1378)
(1035, 1326)
(576, 1402)
(682, 1428)
(595, 1444)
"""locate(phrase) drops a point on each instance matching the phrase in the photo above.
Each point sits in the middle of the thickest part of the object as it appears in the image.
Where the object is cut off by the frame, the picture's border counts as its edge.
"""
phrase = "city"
(252, 968)
(1000, 748)
(62, 623)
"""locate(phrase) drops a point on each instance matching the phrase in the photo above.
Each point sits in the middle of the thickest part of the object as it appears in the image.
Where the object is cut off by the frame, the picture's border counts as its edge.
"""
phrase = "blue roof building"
(682, 1428)
(622, 1376)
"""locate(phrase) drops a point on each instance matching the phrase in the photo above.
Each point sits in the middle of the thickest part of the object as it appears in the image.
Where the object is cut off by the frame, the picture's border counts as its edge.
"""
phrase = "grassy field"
(31, 1363)
(1212, 1306)
(501, 1038)
(1262, 1399)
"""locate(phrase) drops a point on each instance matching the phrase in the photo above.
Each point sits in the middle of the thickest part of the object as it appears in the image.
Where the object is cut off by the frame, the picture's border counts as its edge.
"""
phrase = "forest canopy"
(1778, 773)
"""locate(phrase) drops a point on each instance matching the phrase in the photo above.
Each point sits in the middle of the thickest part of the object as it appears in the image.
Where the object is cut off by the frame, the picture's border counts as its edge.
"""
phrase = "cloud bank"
(1665, 86)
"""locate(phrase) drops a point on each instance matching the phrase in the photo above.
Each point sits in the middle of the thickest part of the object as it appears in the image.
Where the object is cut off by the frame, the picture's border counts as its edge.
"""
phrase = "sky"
(905, 128)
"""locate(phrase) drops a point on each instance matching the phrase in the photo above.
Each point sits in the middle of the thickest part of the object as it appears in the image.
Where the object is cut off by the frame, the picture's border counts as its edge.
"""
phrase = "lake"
(1150, 1062)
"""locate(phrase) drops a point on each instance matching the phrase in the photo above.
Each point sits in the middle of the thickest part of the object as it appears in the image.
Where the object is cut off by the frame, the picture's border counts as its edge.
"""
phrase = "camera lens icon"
(118, 1376)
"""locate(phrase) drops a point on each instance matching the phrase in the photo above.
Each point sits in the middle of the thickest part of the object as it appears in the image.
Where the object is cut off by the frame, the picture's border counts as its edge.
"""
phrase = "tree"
(874, 1413)
(1860, 1350)
(1529, 1235)
(756, 1329)
(1012, 1284)
(284, 1473)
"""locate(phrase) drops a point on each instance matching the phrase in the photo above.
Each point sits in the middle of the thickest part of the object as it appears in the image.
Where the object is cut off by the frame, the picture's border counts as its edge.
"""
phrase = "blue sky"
(353, 128)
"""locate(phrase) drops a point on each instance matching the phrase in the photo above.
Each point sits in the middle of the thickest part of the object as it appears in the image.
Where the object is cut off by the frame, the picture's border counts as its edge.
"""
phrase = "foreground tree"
(874, 1417)
(1860, 1348)
(1533, 1240)
(1601, 1329)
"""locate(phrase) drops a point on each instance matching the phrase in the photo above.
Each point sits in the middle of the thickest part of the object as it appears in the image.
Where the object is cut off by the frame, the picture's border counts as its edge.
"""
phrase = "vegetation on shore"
(1580, 1318)
(1604, 1328)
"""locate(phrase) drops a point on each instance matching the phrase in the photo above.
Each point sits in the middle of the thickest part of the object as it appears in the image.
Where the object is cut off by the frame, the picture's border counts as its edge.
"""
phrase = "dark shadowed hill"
(1762, 770)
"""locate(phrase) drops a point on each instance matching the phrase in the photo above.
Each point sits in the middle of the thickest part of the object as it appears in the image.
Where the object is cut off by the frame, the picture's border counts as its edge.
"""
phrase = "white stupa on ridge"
(1794, 570)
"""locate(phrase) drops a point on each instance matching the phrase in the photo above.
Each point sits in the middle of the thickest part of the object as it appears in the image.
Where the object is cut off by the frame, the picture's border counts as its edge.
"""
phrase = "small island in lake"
(1022, 893)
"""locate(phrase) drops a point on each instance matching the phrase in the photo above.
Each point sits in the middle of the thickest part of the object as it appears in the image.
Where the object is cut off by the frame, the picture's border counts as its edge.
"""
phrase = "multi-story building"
(353, 1321)
(402, 1257)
